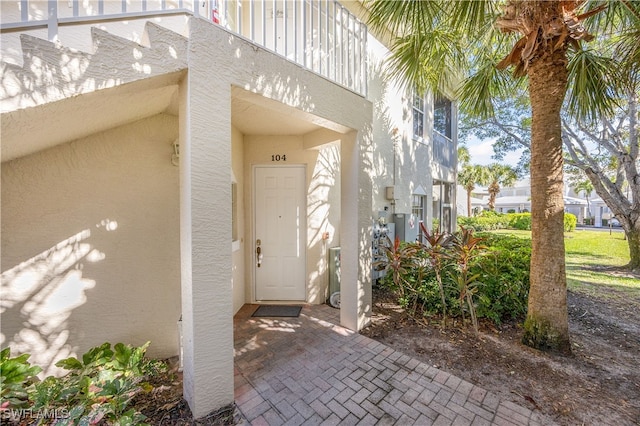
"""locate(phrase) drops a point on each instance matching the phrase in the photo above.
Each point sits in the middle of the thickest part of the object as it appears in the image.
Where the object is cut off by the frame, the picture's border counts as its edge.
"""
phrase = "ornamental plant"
(486, 275)
(97, 389)
(17, 376)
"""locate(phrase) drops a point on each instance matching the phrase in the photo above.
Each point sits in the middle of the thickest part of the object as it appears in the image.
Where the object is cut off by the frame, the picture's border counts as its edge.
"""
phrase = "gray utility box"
(383, 236)
(406, 226)
(334, 271)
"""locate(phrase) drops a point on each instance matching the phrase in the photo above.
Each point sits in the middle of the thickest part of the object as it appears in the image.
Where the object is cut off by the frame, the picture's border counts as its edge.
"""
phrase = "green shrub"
(485, 221)
(497, 278)
(505, 277)
(570, 222)
(99, 386)
(97, 390)
(520, 221)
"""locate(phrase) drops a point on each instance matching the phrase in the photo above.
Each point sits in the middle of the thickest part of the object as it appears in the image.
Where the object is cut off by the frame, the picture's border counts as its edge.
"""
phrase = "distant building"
(517, 198)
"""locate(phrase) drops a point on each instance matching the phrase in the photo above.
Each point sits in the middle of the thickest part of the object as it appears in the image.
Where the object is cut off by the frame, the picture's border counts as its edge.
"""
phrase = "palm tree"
(498, 175)
(587, 187)
(464, 157)
(468, 174)
(468, 177)
(434, 43)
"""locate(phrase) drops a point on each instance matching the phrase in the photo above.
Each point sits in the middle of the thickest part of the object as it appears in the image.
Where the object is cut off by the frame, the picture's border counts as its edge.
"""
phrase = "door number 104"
(278, 157)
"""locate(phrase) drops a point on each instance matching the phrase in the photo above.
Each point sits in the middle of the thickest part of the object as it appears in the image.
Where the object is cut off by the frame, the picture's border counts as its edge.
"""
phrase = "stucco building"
(177, 159)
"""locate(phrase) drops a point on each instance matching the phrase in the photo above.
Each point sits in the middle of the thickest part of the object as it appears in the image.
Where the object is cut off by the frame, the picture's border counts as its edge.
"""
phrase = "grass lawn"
(592, 258)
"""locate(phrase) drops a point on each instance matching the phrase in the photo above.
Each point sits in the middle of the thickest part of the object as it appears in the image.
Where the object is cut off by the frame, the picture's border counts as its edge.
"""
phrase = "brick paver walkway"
(310, 371)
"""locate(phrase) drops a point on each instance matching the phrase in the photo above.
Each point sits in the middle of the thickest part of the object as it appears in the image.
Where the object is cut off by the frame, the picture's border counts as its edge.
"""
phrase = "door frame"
(251, 246)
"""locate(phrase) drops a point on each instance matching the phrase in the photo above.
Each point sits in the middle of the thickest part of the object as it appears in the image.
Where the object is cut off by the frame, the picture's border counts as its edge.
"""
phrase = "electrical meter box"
(406, 226)
(383, 236)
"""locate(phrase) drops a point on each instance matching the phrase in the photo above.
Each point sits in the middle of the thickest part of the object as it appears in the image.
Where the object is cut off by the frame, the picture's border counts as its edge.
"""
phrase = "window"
(443, 206)
(442, 117)
(417, 207)
(418, 116)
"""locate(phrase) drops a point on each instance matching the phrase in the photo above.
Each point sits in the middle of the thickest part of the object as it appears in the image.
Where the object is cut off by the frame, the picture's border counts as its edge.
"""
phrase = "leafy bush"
(505, 277)
(520, 221)
(485, 221)
(570, 222)
(99, 386)
(97, 389)
(487, 276)
(17, 375)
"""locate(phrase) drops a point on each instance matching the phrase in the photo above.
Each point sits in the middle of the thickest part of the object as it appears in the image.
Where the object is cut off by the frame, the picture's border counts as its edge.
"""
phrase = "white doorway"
(279, 247)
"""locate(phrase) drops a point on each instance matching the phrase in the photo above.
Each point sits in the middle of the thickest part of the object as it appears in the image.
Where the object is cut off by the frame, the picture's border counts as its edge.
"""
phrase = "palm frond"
(487, 83)
(476, 17)
(627, 50)
(427, 61)
(402, 17)
(609, 20)
(593, 85)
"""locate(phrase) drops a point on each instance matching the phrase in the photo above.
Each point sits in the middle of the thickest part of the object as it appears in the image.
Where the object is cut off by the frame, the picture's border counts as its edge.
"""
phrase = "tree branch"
(506, 129)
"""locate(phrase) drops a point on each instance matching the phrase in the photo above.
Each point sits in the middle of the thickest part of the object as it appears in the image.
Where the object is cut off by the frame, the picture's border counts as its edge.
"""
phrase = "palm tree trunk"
(492, 199)
(547, 326)
(468, 203)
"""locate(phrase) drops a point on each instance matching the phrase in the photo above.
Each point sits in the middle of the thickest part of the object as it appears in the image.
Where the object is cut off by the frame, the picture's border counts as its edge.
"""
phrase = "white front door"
(279, 252)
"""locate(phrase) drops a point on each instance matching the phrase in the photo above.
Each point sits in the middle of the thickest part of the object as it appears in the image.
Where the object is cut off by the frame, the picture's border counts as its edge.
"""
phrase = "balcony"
(320, 35)
(444, 150)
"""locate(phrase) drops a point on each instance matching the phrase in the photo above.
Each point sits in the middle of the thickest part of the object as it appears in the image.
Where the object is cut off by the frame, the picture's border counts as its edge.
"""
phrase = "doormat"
(277, 311)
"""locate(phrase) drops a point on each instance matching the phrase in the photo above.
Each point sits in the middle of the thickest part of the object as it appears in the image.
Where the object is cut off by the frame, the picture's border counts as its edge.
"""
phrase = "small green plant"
(400, 259)
(570, 222)
(522, 221)
(98, 387)
(17, 375)
(465, 248)
(437, 244)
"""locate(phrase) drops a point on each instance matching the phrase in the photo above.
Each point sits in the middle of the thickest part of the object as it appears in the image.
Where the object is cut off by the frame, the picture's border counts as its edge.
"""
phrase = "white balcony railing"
(320, 35)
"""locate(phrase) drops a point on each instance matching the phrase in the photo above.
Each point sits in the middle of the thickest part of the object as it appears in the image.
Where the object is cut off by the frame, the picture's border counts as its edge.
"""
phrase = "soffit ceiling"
(33, 129)
(254, 114)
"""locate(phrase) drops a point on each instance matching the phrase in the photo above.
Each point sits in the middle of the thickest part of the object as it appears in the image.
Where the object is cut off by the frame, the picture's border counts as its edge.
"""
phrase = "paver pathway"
(310, 371)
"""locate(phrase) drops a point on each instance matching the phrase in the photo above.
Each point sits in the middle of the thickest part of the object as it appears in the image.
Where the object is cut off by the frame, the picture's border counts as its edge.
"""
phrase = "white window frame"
(418, 115)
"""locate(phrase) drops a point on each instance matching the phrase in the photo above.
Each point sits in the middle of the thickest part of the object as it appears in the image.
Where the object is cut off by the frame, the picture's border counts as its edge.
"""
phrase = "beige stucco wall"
(399, 159)
(237, 246)
(90, 244)
(323, 202)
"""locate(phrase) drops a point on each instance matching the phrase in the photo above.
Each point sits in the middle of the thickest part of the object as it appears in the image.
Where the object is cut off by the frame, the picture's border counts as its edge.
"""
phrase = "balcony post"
(52, 25)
